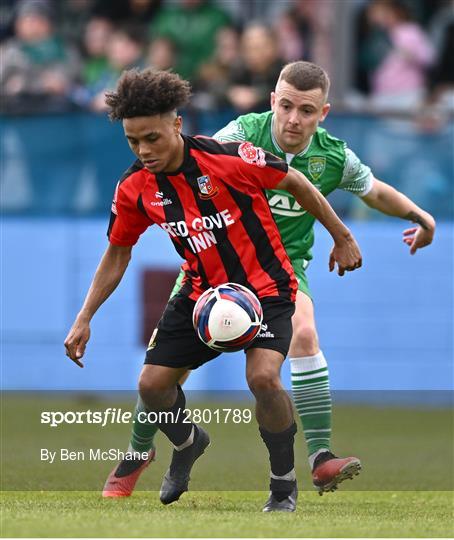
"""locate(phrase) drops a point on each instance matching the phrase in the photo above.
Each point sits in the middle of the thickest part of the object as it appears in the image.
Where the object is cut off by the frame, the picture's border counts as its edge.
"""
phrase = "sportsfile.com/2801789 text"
(113, 415)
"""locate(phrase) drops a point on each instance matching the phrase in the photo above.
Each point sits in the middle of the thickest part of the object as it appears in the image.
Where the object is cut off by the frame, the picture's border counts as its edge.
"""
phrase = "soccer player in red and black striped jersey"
(209, 198)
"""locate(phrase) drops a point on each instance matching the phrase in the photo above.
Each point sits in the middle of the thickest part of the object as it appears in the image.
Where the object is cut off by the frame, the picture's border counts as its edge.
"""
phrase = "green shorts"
(299, 267)
(178, 284)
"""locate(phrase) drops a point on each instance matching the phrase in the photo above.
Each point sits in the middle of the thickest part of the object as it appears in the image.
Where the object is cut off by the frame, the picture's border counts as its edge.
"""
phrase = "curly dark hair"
(147, 93)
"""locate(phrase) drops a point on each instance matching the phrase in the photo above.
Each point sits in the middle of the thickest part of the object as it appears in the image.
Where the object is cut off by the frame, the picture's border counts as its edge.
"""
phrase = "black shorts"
(174, 343)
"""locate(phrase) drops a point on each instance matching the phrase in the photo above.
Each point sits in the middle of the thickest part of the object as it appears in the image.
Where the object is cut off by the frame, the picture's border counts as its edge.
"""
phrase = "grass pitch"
(404, 490)
(227, 514)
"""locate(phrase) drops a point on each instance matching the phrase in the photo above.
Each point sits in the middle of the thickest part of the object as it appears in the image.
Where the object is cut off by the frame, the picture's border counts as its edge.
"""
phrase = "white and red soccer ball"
(227, 317)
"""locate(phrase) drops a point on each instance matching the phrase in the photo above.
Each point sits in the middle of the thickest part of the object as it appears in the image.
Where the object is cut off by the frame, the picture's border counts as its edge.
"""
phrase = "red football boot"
(329, 471)
(122, 480)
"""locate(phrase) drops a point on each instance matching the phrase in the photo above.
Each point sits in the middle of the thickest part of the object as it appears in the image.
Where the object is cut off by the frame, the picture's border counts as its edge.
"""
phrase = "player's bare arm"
(346, 252)
(388, 200)
(108, 275)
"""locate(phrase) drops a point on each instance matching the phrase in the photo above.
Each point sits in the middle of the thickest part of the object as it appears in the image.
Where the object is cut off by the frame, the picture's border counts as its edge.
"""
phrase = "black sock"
(128, 466)
(176, 426)
(282, 458)
(281, 489)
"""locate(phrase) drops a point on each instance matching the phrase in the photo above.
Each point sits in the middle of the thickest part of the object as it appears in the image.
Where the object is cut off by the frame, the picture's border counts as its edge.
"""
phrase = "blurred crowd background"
(390, 63)
(385, 54)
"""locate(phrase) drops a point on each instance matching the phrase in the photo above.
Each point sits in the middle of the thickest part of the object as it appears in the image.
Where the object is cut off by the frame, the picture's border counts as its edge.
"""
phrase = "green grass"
(227, 514)
(405, 488)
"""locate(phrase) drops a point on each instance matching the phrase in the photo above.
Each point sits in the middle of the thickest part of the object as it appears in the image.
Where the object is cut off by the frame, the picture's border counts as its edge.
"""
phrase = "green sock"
(143, 432)
(312, 397)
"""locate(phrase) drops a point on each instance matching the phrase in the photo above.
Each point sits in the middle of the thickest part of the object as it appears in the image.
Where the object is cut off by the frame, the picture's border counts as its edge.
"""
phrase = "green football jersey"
(327, 162)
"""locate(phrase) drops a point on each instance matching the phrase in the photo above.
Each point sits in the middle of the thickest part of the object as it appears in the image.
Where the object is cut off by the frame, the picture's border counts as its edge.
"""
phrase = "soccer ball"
(227, 317)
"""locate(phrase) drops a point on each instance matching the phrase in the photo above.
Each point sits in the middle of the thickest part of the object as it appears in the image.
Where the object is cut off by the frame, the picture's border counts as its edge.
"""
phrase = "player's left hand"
(419, 237)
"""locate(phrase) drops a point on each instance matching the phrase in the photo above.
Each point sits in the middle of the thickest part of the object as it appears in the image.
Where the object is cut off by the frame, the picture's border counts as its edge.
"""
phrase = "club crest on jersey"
(252, 154)
(317, 165)
(207, 190)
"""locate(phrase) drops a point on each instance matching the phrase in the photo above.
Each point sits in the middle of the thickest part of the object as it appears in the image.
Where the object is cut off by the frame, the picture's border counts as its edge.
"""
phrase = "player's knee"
(264, 381)
(304, 340)
(151, 390)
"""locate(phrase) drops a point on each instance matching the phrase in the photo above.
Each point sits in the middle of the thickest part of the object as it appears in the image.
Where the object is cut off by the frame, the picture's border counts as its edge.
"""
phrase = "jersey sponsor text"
(205, 225)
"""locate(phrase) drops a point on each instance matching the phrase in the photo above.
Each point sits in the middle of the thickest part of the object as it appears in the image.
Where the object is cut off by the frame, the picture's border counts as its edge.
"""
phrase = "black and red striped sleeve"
(128, 221)
(264, 168)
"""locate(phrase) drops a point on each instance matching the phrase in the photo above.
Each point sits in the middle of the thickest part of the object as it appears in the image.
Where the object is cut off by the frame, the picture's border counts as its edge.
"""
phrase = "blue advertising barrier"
(388, 325)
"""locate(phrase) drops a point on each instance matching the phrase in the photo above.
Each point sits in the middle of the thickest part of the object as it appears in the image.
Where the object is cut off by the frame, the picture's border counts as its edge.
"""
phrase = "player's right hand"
(347, 255)
(76, 341)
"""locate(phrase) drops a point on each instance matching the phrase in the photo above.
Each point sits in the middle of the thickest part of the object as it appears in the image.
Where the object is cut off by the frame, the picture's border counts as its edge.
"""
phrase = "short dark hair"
(147, 93)
(305, 76)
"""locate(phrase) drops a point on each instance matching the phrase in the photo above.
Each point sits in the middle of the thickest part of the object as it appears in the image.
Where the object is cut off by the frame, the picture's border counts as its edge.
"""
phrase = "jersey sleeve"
(262, 168)
(127, 222)
(357, 177)
(266, 169)
(232, 132)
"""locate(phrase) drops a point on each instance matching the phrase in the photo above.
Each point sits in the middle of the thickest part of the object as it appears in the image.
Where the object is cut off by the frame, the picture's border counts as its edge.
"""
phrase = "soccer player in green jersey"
(291, 131)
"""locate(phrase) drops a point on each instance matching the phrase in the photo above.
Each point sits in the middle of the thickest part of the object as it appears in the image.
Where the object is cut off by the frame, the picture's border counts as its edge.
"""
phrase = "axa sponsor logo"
(285, 206)
(264, 332)
(163, 201)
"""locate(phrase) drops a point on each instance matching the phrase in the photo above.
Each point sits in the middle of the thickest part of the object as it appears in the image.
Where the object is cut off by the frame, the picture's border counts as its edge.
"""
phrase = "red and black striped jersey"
(216, 214)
